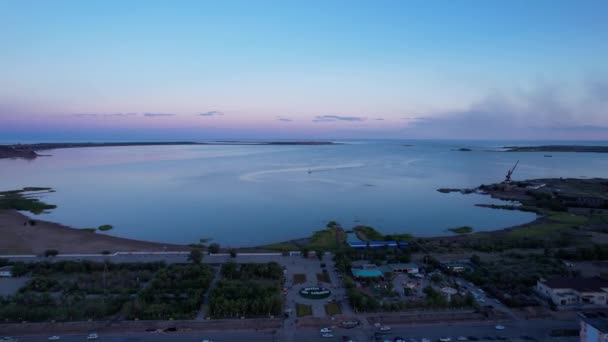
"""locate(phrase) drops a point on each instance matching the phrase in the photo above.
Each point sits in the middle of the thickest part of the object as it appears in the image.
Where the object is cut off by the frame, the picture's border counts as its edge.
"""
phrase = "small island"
(461, 230)
(105, 227)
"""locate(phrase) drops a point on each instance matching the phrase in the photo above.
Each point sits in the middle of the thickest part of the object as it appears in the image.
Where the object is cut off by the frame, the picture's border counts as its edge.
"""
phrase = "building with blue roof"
(377, 244)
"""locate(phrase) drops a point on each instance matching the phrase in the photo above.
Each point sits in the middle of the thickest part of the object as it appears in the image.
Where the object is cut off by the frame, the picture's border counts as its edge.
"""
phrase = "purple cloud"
(152, 115)
(211, 113)
(93, 115)
(331, 118)
(532, 112)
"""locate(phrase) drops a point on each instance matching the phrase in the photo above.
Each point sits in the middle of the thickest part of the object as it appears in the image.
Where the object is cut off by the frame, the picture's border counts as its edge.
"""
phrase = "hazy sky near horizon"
(134, 70)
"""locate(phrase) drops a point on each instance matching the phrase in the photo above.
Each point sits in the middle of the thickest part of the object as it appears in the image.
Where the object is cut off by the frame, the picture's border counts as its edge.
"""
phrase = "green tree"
(214, 248)
(233, 253)
(195, 256)
(436, 278)
(332, 224)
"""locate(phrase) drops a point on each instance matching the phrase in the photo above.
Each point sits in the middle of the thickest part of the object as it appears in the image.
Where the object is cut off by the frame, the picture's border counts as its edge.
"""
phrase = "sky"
(204, 70)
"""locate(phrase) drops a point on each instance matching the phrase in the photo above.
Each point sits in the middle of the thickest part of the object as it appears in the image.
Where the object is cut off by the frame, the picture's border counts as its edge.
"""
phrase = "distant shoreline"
(29, 151)
(558, 148)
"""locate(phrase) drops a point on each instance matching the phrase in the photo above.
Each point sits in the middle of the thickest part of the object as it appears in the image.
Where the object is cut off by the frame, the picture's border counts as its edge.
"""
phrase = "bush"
(436, 278)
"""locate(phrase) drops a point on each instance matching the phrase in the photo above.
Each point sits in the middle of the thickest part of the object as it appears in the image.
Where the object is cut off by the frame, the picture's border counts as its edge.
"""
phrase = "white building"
(593, 328)
(574, 291)
(6, 271)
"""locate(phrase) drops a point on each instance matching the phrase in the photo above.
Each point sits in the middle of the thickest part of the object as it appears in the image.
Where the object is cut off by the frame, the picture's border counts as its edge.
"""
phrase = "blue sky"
(314, 69)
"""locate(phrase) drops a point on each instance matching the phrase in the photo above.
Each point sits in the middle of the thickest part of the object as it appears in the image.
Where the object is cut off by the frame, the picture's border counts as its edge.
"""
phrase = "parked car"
(385, 328)
(327, 335)
(445, 339)
(500, 327)
(326, 330)
(54, 338)
(92, 336)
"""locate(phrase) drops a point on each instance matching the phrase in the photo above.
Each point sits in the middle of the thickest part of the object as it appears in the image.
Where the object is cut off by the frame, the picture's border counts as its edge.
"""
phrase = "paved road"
(482, 298)
(168, 257)
(536, 330)
(166, 337)
(517, 330)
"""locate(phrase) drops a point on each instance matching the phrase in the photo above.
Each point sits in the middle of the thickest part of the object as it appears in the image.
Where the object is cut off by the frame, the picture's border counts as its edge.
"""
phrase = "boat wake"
(254, 176)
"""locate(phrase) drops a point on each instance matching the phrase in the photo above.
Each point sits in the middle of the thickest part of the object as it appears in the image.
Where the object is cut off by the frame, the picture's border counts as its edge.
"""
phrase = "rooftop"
(401, 266)
(376, 244)
(367, 273)
(593, 284)
(598, 321)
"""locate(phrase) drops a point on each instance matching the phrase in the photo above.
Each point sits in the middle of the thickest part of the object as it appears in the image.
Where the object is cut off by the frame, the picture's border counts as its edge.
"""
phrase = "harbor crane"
(510, 173)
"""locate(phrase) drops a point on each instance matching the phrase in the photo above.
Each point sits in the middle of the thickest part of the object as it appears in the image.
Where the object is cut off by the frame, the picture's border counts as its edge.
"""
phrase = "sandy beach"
(18, 238)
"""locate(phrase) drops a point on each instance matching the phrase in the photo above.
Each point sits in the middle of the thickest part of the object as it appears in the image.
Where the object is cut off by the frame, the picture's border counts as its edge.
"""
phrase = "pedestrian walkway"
(202, 314)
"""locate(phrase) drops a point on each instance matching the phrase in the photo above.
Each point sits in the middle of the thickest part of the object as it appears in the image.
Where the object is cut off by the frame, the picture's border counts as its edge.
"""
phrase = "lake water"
(251, 195)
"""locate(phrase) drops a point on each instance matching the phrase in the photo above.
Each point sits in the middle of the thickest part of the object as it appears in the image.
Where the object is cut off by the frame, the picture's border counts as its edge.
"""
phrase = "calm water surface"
(251, 195)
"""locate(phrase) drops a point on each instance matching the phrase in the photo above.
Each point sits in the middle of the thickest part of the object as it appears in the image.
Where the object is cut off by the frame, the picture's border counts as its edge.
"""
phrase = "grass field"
(333, 309)
(299, 278)
(539, 230)
(303, 310)
(568, 218)
(324, 240)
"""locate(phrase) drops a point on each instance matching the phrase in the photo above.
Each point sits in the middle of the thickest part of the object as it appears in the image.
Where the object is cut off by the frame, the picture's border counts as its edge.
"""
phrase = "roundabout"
(315, 292)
